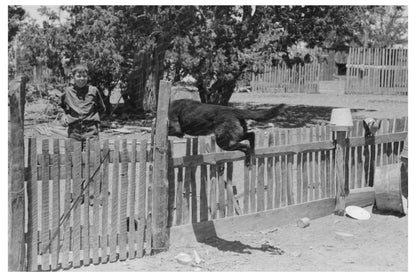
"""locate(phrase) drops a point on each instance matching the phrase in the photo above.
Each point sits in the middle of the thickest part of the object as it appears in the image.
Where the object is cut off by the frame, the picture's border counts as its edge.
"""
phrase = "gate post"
(16, 205)
(342, 121)
(160, 235)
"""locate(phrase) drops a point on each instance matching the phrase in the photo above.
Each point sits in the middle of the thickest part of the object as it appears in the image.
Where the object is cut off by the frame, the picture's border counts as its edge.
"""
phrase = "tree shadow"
(296, 116)
(205, 233)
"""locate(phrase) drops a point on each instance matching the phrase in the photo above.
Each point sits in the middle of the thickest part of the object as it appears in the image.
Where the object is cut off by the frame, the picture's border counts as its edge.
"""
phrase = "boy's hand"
(64, 120)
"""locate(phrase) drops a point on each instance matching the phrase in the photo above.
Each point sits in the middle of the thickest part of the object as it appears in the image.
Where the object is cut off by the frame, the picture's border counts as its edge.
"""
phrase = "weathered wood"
(194, 191)
(32, 191)
(141, 217)
(124, 184)
(171, 182)
(56, 211)
(160, 185)
(16, 154)
(66, 230)
(45, 205)
(341, 186)
(185, 234)
(260, 176)
(270, 173)
(203, 211)
(85, 222)
(187, 186)
(76, 247)
(105, 203)
(278, 174)
(95, 186)
(229, 189)
(114, 205)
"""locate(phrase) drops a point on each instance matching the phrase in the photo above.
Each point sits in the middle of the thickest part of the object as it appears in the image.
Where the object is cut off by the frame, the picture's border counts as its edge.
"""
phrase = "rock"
(303, 222)
(183, 258)
(197, 258)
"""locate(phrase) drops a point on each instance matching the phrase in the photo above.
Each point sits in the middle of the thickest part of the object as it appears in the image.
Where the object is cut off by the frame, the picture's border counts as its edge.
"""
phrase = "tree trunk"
(219, 93)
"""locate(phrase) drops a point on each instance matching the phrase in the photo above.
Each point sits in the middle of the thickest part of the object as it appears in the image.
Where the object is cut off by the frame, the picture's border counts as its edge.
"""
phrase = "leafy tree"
(16, 15)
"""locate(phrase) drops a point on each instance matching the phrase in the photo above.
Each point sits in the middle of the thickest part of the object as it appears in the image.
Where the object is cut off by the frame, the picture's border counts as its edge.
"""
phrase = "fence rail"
(284, 79)
(291, 166)
(377, 71)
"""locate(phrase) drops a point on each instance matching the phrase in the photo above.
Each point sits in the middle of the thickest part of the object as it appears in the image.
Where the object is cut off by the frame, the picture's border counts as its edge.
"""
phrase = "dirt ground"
(331, 243)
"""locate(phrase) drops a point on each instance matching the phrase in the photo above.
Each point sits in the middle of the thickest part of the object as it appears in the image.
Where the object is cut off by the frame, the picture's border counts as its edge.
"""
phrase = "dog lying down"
(228, 124)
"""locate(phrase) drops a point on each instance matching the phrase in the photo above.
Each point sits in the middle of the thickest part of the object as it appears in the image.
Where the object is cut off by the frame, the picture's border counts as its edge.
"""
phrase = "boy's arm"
(100, 103)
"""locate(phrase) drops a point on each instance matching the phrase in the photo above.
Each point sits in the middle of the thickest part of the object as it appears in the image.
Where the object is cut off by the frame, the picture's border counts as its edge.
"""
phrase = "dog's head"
(371, 126)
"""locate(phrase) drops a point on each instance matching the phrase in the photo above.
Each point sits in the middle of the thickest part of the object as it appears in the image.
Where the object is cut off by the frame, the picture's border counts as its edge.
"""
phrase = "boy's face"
(80, 79)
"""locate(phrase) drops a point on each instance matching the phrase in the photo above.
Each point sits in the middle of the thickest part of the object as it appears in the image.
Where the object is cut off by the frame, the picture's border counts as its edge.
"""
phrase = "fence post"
(17, 256)
(160, 235)
(342, 121)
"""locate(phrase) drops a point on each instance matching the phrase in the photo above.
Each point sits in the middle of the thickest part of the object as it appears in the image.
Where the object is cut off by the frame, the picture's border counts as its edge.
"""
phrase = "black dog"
(228, 124)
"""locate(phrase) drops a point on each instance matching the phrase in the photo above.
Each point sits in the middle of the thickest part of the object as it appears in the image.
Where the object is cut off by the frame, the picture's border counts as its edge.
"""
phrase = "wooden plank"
(260, 176)
(213, 184)
(66, 230)
(141, 217)
(45, 236)
(221, 190)
(194, 191)
(187, 186)
(229, 190)
(317, 181)
(114, 205)
(305, 166)
(360, 163)
(123, 201)
(283, 140)
(56, 210)
(246, 188)
(132, 197)
(289, 159)
(203, 210)
(95, 186)
(298, 168)
(181, 235)
(270, 173)
(160, 234)
(76, 247)
(229, 156)
(277, 171)
(322, 166)
(171, 184)
(105, 203)
(32, 191)
(179, 196)
(85, 212)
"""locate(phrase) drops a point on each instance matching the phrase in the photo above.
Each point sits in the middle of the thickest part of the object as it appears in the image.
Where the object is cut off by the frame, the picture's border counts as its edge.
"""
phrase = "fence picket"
(56, 210)
(132, 234)
(203, 211)
(114, 204)
(95, 186)
(85, 212)
(124, 184)
(269, 204)
(278, 172)
(260, 175)
(33, 218)
(77, 168)
(105, 201)
(141, 217)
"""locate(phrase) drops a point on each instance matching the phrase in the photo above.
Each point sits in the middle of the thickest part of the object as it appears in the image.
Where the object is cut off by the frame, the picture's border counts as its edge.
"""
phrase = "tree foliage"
(214, 44)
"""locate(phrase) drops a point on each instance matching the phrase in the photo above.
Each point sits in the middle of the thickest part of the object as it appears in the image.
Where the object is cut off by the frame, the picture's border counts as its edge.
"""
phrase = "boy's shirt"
(82, 104)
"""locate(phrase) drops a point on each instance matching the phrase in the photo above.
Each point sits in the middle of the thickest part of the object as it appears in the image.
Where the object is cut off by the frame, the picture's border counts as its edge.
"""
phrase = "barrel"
(388, 181)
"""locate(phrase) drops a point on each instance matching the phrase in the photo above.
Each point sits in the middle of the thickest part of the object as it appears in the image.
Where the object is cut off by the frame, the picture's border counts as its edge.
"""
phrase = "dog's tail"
(261, 115)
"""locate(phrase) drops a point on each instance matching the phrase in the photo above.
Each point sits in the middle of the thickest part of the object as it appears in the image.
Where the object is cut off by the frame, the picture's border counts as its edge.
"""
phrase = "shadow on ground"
(205, 233)
(296, 116)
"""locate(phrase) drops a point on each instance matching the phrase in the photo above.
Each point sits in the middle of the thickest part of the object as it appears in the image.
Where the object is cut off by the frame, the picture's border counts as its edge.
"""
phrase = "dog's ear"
(379, 124)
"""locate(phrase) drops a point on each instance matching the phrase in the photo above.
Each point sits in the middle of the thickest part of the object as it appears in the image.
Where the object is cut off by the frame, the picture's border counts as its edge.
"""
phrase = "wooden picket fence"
(377, 71)
(113, 217)
(283, 79)
(292, 166)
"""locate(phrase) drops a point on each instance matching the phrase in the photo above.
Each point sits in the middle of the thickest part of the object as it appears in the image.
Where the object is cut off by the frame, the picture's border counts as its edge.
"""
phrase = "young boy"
(82, 105)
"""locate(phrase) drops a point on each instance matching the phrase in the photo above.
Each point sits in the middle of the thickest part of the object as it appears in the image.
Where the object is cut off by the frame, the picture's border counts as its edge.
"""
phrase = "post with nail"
(341, 121)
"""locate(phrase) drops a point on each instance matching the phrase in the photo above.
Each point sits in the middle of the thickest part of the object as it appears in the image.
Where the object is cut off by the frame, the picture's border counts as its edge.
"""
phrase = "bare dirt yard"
(330, 243)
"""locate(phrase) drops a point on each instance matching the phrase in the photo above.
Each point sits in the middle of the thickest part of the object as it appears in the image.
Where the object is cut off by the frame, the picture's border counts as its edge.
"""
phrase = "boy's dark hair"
(79, 68)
